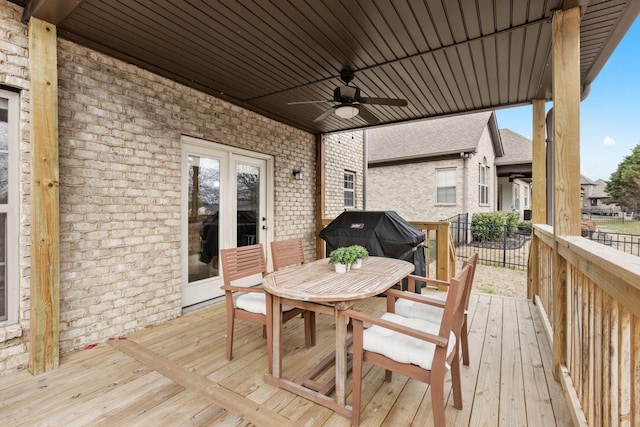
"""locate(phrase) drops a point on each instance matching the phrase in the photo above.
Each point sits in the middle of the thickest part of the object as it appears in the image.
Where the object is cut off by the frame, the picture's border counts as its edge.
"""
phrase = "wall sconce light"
(297, 174)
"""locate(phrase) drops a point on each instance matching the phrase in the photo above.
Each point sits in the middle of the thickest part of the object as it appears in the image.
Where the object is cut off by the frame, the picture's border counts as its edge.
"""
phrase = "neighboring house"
(514, 174)
(434, 169)
(593, 196)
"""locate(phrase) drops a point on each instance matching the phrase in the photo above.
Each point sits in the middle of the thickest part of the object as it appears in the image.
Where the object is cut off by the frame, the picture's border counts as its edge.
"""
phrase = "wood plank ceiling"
(444, 57)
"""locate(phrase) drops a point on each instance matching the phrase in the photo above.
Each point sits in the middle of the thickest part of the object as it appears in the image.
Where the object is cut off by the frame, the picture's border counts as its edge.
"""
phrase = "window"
(349, 189)
(8, 206)
(516, 197)
(526, 196)
(446, 185)
(483, 187)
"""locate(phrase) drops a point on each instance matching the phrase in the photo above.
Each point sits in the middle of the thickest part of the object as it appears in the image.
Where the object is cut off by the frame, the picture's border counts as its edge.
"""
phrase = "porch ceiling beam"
(44, 332)
(53, 11)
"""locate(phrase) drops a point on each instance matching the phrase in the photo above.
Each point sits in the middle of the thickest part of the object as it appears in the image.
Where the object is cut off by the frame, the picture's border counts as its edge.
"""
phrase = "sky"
(609, 116)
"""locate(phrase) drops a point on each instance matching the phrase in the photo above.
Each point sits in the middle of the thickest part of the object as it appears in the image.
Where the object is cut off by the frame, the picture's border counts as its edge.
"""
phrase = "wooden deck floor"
(175, 375)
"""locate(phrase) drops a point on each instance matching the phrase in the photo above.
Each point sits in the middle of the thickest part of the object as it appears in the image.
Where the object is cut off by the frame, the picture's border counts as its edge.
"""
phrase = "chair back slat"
(453, 315)
(287, 253)
(245, 261)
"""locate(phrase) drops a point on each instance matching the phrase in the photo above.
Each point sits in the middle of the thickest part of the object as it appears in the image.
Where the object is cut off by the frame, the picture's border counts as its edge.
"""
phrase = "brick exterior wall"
(120, 195)
(343, 151)
(14, 74)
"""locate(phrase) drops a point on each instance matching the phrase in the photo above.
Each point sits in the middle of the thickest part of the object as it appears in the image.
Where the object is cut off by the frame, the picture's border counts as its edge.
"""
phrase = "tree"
(623, 187)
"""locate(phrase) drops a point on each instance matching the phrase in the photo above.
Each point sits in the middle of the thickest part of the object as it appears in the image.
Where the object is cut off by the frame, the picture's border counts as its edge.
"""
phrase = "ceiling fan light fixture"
(347, 111)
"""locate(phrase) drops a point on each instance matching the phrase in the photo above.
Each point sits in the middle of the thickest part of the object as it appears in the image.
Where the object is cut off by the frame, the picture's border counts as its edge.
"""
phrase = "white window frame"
(443, 181)
(11, 210)
(483, 185)
(349, 190)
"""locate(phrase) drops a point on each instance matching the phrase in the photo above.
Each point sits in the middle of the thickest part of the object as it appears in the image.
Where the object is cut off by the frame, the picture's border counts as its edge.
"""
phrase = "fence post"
(504, 245)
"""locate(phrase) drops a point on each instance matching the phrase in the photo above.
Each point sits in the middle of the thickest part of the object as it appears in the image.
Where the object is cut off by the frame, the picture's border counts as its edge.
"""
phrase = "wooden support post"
(539, 196)
(442, 252)
(320, 189)
(566, 140)
(539, 166)
(44, 332)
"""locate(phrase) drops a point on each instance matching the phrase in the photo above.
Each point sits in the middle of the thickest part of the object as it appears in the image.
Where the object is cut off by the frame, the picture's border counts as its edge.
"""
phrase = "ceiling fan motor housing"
(346, 94)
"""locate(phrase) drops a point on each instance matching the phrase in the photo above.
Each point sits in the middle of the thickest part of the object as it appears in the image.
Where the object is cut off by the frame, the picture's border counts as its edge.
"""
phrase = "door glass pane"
(203, 214)
(248, 186)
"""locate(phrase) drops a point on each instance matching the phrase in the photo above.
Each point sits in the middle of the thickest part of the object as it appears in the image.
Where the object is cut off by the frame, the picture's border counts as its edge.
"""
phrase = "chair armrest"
(241, 288)
(425, 336)
(422, 299)
(413, 278)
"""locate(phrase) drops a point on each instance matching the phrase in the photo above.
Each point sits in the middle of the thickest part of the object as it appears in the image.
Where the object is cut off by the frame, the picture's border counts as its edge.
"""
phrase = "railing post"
(442, 254)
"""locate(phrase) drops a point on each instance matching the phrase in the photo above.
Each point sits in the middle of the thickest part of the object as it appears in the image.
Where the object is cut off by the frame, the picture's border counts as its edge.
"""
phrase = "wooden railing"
(601, 366)
(445, 250)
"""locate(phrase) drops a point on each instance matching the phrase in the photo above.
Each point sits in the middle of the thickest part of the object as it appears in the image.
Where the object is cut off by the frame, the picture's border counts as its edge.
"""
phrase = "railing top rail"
(618, 264)
(614, 271)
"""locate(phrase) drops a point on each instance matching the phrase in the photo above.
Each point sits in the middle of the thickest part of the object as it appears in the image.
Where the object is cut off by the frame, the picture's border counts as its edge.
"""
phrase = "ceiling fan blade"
(384, 101)
(324, 115)
(308, 102)
(367, 115)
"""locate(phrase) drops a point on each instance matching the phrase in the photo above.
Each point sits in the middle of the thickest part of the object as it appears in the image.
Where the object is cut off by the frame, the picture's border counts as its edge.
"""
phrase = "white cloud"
(608, 142)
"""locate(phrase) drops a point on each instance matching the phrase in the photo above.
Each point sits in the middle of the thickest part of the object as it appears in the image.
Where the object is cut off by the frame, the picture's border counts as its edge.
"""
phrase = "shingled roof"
(431, 138)
(517, 148)
(599, 190)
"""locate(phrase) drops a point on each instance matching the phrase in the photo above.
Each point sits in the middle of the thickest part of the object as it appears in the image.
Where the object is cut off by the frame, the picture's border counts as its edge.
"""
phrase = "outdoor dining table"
(317, 287)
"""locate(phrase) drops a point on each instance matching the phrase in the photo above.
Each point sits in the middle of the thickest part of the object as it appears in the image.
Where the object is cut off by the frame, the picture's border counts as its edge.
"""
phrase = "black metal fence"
(510, 248)
(629, 243)
(504, 247)
(607, 215)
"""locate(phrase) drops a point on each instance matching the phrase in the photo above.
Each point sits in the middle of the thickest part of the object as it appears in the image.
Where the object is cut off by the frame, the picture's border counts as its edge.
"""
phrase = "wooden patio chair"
(289, 253)
(242, 269)
(434, 309)
(416, 348)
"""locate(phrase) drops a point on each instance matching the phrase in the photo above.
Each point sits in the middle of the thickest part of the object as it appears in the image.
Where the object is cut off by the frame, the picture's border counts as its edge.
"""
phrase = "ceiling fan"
(349, 103)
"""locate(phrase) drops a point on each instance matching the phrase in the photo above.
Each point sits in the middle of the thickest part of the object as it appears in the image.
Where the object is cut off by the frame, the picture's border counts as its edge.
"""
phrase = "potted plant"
(341, 258)
(360, 253)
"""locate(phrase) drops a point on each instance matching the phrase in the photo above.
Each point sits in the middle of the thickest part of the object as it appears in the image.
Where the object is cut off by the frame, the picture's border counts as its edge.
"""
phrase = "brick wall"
(343, 151)
(120, 154)
(410, 190)
(14, 75)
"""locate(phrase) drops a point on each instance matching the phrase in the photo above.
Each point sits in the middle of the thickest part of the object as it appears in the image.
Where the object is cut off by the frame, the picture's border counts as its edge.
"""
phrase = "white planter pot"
(358, 264)
(340, 268)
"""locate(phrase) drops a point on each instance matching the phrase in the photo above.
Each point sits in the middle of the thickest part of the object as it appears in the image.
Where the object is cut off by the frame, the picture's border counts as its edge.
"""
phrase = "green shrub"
(490, 226)
(525, 227)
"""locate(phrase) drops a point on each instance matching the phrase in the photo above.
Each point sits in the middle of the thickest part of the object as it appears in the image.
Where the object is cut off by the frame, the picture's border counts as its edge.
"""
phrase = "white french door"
(226, 203)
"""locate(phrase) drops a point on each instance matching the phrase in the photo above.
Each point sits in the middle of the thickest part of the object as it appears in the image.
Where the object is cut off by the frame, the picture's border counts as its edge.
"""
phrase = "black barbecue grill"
(383, 233)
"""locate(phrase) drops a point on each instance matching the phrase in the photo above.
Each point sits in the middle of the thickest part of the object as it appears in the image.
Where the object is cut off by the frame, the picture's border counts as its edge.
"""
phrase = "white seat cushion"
(255, 302)
(403, 348)
(406, 308)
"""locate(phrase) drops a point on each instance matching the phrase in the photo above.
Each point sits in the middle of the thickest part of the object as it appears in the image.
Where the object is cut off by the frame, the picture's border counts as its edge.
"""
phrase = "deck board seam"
(219, 395)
